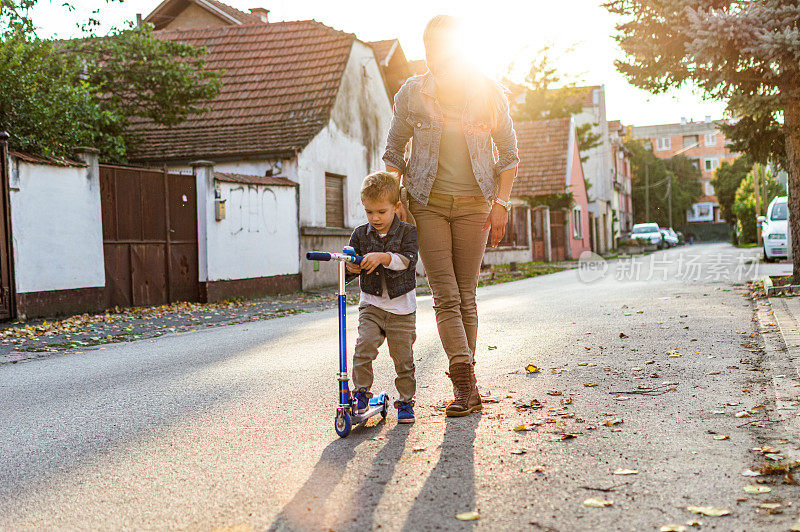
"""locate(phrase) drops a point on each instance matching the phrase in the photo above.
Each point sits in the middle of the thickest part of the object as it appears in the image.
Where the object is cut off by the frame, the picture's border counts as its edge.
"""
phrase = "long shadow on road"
(450, 488)
(306, 510)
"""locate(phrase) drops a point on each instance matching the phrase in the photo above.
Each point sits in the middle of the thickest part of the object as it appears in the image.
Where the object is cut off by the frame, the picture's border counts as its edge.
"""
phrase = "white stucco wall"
(258, 237)
(57, 230)
(351, 144)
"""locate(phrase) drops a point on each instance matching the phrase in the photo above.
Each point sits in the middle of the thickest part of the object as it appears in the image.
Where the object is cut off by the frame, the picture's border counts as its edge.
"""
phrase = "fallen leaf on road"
(756, 489)
(597, 503)
(583, 363)
(673, 528)
(623, 335)
(530, 368)
(560, 437)
(709, 511)
(795, 527)
(519, 451)
(742, 413)
(673, 353)
(769, 505)
(419, 449)
(468, 516)
(565, 401)
(553, 392)
(534, 469)
(626, 472)
(492, 347)
(750, 473)
(694, 523)
(590, 384)
(621, 398)
(490, 399)
(521, 428)
(609, 422)
(720, 437)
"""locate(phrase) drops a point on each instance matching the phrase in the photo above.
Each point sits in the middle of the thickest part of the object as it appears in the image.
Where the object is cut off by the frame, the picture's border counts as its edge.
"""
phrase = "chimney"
(708, 119)
(260, 12)
(138, 20)
(683, 120)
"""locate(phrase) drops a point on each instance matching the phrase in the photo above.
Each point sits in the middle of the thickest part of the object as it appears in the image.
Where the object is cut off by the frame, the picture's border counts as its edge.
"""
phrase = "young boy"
(388, 305)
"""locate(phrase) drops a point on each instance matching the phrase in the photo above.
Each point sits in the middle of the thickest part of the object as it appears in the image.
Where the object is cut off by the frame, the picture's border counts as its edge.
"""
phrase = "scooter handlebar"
(343, 257)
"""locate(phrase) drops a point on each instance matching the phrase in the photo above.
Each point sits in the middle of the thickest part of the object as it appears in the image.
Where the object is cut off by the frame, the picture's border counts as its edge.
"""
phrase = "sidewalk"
(778, 318)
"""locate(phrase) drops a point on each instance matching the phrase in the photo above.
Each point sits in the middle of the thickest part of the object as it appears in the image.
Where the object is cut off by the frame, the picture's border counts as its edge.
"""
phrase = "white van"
(774, 228)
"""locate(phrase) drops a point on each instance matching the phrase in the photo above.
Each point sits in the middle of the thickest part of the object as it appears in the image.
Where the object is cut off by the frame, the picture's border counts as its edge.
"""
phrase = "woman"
(457, 192)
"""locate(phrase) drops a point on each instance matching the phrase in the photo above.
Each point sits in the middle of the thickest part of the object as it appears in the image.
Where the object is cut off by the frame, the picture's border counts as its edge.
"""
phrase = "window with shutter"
(334, 200)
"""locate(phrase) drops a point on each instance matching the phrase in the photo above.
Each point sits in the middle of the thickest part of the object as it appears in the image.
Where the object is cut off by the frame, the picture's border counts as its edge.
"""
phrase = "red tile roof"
(42, 159)
(614, 125)
(241, 16)
(279, 83)
(167, 10)
(543, 147)
(254, 179)
(382, 49)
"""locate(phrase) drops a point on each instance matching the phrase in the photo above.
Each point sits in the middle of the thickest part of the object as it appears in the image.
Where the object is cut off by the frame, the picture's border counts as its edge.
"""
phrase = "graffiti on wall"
(252, 209)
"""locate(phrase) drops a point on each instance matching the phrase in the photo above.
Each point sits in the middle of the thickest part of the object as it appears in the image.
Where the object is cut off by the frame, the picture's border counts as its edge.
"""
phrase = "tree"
(744, 206)
(745, 52)
(652, 181)
(57, 95)
(727, 178)
(548, 95)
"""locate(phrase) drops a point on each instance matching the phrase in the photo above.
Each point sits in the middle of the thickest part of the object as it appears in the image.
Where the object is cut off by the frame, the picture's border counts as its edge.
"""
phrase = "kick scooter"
(346, 415)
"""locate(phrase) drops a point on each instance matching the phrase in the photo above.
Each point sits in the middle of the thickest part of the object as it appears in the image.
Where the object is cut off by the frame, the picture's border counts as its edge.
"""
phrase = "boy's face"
(380, 213)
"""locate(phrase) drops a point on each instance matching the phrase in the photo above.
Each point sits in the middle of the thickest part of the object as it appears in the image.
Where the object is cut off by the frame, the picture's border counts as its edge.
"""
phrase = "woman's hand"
(401, 213)
(352, 268)
(497, 220)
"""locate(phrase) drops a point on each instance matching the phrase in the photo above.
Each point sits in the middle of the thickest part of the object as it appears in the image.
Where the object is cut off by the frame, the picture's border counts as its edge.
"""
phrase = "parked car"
(774, 228)
(670, 237)
(648, 234)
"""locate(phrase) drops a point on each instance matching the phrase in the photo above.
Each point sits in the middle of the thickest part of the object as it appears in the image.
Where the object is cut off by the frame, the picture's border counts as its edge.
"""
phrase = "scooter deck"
(375, 408)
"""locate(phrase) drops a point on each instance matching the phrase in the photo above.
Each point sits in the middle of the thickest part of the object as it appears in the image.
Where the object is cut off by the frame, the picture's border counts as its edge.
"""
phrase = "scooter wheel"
(385, 409)
(342, 424)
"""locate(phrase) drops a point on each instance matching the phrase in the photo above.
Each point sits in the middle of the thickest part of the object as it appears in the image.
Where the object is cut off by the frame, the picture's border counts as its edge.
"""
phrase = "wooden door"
(7, 303)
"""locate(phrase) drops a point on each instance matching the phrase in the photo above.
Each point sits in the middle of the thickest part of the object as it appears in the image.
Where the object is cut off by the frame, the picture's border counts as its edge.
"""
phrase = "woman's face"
(447, 65)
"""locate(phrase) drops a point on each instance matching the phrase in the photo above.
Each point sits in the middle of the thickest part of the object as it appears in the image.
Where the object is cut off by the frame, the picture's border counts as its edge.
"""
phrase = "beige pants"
(399, 331)
(451, 245)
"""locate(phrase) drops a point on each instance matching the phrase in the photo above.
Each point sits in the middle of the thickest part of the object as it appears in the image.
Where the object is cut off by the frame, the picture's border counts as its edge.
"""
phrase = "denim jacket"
(418, 115)
(401, 239)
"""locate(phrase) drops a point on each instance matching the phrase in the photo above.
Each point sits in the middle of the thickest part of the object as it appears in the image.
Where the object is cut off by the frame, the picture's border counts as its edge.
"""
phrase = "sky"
(505, 32)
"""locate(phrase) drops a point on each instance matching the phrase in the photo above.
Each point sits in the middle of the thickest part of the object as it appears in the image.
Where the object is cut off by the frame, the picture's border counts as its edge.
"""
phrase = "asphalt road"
(233, 426)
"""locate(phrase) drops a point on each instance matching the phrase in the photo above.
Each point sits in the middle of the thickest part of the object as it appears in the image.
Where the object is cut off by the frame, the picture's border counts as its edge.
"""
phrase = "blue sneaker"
(405, 411)
(362, 401)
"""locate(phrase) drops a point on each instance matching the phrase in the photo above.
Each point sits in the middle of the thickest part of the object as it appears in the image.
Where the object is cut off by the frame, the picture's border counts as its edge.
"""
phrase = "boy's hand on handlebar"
(373, 260)
(352, 268)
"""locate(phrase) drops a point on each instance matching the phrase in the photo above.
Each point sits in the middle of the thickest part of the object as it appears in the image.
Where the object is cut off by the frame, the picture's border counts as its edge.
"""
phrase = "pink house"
(550, 170)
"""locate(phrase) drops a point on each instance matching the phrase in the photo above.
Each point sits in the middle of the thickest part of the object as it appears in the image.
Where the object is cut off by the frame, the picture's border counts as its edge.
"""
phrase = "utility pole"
(647, 191)
(669, 199)
(757, 194)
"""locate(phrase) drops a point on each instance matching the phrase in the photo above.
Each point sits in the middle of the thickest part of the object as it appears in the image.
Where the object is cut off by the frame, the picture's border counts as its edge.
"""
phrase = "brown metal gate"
(7, 306)
(558, 236)
(538, 250)
(149, 236)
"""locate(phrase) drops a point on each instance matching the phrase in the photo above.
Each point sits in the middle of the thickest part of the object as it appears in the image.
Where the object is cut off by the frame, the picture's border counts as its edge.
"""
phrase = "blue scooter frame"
(346, 415)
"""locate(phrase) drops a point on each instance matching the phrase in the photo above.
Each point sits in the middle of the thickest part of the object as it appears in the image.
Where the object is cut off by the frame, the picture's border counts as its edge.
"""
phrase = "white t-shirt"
(404, 304)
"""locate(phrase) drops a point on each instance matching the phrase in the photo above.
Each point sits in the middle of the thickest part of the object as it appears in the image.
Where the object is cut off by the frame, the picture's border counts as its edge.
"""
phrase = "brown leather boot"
(461, 375)
(474, 396)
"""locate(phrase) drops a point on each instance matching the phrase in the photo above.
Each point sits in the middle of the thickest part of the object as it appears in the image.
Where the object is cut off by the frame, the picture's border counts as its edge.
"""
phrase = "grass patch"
(502, 273)
(746, 246)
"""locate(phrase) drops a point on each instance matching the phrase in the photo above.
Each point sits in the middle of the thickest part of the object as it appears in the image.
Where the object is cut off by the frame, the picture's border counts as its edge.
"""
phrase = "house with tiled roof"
(393, 62)
(299, 100)
(550, 176)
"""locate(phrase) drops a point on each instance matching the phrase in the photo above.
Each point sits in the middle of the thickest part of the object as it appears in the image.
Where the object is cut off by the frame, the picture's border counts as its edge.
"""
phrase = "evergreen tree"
(747, 53)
